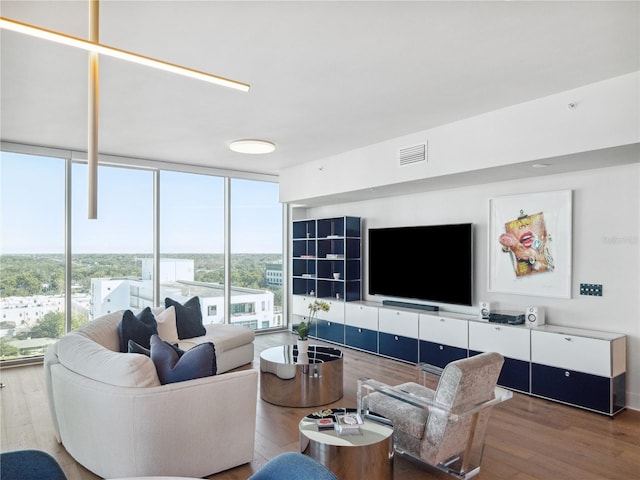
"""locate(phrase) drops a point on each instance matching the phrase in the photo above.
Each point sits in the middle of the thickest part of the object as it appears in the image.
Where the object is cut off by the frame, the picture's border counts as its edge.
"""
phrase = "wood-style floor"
(528, 438)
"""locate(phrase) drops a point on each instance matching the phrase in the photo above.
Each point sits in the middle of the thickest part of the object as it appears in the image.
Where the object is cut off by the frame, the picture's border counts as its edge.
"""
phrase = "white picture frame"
(530, 244)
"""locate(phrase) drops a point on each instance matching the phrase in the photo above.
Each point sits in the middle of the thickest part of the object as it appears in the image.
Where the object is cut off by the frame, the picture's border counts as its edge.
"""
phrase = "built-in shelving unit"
(326, 264)
(326, 258)
(579, 367)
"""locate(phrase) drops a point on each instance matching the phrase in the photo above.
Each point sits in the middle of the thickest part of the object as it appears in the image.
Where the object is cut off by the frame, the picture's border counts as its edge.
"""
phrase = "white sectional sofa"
(115, 418)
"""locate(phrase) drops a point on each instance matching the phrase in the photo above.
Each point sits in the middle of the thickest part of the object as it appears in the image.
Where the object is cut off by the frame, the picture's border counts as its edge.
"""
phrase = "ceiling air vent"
(415, 154)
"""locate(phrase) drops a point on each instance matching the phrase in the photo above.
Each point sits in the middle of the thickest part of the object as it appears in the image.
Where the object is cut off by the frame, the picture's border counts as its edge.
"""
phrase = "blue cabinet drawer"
(602, 394)
(514, 374)
(330, 331)
(397, 346)
(361, 338)
(439, 354)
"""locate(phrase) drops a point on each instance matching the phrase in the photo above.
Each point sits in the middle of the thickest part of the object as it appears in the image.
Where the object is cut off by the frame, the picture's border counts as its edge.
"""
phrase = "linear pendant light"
(95, 49)
(92, 118)
(76, 42)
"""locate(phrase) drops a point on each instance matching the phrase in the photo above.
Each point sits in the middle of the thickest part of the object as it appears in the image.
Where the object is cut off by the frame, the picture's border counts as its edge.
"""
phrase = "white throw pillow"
(167, 329)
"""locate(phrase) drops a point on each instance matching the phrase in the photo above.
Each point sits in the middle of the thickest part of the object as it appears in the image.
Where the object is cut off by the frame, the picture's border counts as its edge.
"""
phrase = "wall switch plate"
(593, 289)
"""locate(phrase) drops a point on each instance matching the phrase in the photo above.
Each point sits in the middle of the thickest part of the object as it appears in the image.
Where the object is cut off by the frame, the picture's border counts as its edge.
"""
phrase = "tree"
(7, 350)
(51, 326)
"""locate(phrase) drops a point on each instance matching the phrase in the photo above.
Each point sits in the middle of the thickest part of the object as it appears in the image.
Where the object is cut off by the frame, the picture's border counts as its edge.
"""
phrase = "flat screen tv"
(432, 263)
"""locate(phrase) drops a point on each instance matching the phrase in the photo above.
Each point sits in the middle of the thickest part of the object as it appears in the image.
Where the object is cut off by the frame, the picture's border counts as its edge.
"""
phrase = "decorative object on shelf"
(303, 327)
(530, 244)
(336, 275)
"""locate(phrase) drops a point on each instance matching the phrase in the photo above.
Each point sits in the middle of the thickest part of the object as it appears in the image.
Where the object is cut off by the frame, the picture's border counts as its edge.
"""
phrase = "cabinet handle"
(567, 374)
(328, 324)
(359, 330)
(395, 337)
(568, 339)
(442, 319)
(497, 328)
(441, 347)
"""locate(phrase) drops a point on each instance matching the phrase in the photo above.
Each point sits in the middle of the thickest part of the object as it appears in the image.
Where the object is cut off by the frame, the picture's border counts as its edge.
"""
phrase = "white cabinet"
(443, 339)
(301, 304)
(446, 330)
(361, 316)
(510, 341)
(361, 326)
(579, 367)
(513, 342)
(572, 349)
(398, 334)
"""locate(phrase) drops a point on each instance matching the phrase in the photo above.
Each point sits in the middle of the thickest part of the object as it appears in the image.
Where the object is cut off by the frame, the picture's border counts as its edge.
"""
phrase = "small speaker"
(534, 316)
(485, 310)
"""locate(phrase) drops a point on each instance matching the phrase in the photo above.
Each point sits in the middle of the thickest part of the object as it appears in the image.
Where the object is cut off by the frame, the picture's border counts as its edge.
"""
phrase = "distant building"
(273, 274)
(26, 312)
(250, 307)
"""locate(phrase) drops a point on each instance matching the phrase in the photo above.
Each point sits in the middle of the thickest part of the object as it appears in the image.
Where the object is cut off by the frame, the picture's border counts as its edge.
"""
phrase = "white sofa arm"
(192, 429)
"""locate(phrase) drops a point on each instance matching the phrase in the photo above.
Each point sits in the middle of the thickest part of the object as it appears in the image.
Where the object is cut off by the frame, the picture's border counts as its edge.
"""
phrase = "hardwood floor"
(528, 438)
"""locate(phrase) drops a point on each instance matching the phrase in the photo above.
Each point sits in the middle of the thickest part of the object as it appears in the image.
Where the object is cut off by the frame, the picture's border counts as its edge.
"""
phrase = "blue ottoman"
(29, 465)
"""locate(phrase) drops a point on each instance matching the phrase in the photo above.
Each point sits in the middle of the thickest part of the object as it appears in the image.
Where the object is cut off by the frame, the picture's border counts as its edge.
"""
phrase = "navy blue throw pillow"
(188, 317)
(135, 348)
(197, 362)
(138, 328)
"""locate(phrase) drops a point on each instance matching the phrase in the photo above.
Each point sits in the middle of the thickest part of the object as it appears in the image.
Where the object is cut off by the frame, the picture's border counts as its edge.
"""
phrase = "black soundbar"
(394, 303)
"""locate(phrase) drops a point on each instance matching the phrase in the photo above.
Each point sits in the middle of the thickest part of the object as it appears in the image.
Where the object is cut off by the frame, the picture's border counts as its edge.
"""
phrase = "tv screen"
(430, 263)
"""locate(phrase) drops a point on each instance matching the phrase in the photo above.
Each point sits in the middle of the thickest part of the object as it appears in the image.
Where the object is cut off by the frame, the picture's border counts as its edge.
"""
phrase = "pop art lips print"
(526, 239)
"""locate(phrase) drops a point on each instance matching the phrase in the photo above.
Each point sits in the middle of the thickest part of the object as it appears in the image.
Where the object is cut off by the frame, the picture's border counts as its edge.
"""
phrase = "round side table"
(290, 379)
(368, 454)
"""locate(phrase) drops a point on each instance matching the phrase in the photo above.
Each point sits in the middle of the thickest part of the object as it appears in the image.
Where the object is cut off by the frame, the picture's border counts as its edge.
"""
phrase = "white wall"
(607, 115)
(606, 246)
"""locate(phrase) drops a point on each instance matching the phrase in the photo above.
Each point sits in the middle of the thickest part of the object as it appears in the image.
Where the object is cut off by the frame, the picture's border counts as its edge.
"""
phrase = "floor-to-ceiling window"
(111, 255)
(192, 241)
(59, 270)
(256, 254)
(32, 254)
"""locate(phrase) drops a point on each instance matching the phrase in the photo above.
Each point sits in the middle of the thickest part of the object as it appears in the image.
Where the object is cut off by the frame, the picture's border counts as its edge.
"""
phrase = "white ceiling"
(326, 77)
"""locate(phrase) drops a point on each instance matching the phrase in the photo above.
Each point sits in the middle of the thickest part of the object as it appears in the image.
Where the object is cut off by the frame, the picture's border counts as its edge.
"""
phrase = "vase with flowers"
(304, 327)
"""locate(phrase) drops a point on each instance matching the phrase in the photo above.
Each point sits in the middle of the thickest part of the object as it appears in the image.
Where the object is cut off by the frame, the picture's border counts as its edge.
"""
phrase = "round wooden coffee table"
(368, 454)
(292, 380)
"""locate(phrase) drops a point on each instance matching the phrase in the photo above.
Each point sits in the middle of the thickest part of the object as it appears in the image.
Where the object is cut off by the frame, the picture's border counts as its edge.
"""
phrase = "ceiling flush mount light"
(540, 165)
(252, 146)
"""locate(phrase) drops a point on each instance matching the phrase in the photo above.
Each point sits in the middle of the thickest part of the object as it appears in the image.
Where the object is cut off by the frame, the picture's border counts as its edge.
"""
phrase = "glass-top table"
(291, 379)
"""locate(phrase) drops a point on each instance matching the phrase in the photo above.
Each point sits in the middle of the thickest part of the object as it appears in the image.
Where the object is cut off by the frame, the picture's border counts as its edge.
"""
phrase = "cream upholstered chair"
(444, 427)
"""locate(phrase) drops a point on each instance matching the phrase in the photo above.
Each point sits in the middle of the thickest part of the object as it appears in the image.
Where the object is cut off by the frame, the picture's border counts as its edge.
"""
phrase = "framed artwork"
(530, 244)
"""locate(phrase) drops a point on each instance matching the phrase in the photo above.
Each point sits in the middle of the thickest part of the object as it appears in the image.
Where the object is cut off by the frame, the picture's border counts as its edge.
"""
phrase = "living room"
(582, 138)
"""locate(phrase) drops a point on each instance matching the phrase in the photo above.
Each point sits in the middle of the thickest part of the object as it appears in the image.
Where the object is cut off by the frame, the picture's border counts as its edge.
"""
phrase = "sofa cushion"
(225, 337)
(188, 317)
(167, 328)
(138, 328)
(198, 362)
(82, 355)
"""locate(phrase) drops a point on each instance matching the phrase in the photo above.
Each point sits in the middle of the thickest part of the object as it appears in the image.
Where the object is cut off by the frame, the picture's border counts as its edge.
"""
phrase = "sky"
(191, 206)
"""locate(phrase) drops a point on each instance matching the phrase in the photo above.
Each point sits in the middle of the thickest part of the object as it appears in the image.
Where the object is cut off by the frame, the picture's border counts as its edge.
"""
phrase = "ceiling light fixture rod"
(93, 113)
(90, 46)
